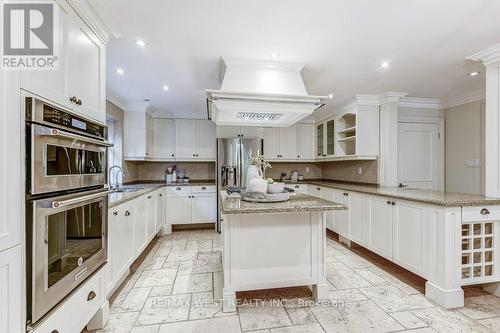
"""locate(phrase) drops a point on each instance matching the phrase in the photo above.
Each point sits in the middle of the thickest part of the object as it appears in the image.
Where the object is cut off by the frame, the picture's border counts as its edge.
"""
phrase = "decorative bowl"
(275, 188)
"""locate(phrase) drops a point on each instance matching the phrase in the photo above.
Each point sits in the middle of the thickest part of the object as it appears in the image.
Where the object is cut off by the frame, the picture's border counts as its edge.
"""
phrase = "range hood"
(260, 93)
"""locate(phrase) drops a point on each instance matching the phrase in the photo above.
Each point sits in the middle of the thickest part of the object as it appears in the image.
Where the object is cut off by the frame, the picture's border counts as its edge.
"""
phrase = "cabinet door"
(112, 242)
(160, 209)
(251, 132)
(272, 143)
(357, 217)
(320, 140)
(288, 143)
(185, 138)
(151, 215)
(341, 217)
(314, 190)
(379, 219)
(203, 208)
(120, 236)
(227, 131)
(134, 135)
(141, 224)
(328, 194)
(11, 295)
(149, 136)
(86, 62)
(179, 210)
(408, 236)
(164, 138)
(305, 141)
(330, 140)
(205, 140)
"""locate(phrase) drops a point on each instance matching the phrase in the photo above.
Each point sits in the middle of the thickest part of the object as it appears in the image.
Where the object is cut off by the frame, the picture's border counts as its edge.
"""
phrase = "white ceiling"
(342, 43)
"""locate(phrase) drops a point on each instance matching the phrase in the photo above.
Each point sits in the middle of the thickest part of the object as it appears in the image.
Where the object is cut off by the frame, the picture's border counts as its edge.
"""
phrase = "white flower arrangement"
(261, 163)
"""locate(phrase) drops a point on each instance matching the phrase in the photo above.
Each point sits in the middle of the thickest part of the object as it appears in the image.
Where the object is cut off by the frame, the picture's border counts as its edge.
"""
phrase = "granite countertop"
(145, 187)
(297, 203)
(438, 198)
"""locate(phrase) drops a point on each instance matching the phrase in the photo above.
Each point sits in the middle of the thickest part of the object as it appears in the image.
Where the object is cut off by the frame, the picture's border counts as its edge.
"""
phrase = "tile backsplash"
(348, 171)
(156, 170)
(308, 170)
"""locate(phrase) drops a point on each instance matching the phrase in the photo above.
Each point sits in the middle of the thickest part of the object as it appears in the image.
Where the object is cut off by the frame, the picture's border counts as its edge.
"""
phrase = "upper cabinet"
(325, 139)
(79, 83)
(291, 143)
(137, 136)
(227, 131)
(164, 139)
(305, 142)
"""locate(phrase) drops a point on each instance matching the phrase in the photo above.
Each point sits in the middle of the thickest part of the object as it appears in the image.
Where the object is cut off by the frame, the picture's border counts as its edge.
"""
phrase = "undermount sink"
(128, 189)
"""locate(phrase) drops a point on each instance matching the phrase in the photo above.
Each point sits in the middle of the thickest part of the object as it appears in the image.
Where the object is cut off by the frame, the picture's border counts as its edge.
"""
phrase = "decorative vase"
(253, 172)
(257, 185)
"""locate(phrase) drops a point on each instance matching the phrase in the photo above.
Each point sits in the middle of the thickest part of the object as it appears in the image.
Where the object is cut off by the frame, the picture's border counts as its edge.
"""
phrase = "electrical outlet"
(473, 163)
(307, 169)
(360, 170)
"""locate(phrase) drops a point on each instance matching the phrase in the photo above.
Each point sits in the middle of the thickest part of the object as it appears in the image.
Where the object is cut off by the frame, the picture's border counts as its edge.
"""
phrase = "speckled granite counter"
(297, 203)
(145, 187)
(438, 198)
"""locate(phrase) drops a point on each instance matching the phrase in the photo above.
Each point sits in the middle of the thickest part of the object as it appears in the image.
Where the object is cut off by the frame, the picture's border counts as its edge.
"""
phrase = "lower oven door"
(69, 238)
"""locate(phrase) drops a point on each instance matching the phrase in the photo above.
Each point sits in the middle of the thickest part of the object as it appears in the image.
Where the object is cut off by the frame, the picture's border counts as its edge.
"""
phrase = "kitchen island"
(274, 245)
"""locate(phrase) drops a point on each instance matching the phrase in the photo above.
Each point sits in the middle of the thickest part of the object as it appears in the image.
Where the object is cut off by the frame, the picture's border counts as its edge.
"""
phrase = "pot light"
(472, 74)
(385, 64)
(140, 43)
(120, 71)
(330, 96)
(274, 55)
(165, 87)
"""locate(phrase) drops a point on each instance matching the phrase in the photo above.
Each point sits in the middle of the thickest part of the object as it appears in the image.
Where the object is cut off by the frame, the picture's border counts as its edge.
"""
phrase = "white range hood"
(260, 93)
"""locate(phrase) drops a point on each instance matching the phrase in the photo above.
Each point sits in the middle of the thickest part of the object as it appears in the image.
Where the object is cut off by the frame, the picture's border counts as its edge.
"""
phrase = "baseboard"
(178, 227)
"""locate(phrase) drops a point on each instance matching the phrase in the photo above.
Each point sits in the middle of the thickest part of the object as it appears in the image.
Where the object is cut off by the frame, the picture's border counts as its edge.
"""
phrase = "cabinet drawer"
(76, 311)
(480, 213)
(173, 191)
(299, 188)
(203, 189)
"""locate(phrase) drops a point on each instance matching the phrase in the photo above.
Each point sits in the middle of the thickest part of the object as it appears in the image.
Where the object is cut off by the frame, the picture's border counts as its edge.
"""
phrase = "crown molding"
(464, 99)
(391, 97)
(488, 56)
(423, 103)
(138, 107)
(116, 101)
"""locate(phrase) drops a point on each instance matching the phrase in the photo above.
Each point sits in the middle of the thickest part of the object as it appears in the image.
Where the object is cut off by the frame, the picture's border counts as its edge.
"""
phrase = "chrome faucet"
(117, 185)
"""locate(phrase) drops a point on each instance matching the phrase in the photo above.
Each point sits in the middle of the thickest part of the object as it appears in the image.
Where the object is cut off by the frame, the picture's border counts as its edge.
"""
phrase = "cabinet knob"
(149, 197)
(177, 188)
(115, 213)
(79, 102)
(485, 211)
(91, 296)
(324, 155)
(318, 188)
(127, 213)
(173, 155)
(298, 156)
(160, 194)
(55, 331)
(393, 203)
(297, 186)
(388, 202)
(73, 99)
(203, 188)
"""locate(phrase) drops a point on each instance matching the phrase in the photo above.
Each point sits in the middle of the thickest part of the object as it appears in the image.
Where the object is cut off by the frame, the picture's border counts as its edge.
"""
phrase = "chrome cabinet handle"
(56, 132)
(115, 213)
(149, 197)
(485, 211)
(318, 188)
(91, 296)
(59, 204)
(203, 188)
(127, 213)
(73, 99)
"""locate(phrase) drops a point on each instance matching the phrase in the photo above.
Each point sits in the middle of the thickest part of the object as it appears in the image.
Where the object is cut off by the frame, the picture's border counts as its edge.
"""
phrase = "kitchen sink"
(128, 189)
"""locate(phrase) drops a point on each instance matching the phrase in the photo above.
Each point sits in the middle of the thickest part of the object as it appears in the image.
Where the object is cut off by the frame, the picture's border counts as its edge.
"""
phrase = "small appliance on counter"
(283, 176)
(295, 176)
(171, 174)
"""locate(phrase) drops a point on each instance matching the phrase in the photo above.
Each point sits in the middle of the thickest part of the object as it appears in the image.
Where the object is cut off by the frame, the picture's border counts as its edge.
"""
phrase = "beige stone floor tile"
(158, 310)
(204, 236)
(135, 299)
(146, 329)
(155, 262)
(493, 324)
(355, 317)
(182, 255)
(201, 245)
(342, 277)
(175, 242)
(307, 328)
(408, 319)
(300, 316)
(369, 276)
(409, 290)
(391, 299)
(216, 255)
(157, 277)
(165, 290)
(448, 321)
(354, 261)
(120, 322)
(199, 266)
(192, 283)
(214, 325)
(263, 315)
(422, 330)
(481, 307)
(171, 265)
(347, 295)
(163, 251)
(203, 305)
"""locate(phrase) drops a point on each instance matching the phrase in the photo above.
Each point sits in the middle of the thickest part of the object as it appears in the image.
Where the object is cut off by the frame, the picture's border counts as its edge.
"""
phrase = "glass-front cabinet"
(320, 129)
(325, 139)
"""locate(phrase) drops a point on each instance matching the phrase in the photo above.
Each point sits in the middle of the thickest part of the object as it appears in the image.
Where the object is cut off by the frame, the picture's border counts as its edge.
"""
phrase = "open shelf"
(347, 139)
(348, 130)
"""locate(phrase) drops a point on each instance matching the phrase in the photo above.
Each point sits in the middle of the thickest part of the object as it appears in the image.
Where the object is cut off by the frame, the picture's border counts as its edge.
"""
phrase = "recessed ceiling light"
(472, 74)
(120, 71)
(330, 96)
(140, 43)
(385, 64)
(165, 87)
(274, 55)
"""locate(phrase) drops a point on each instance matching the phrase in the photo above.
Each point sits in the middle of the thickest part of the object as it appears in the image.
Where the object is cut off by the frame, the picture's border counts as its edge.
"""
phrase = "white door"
(419, 155)
(151, 209)
(86, 58)
(357, 218)
(179, 210)
(272, 143)
(288, 143)
(305, 141)
(380, 225)
(141, 224)
(328, 194)
(164, 136)
(11, 295)
(203, 208)
(185, 139)
(205, 140)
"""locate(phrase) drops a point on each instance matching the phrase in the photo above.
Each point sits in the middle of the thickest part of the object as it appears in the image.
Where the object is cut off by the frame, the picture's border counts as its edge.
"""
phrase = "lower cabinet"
(341, 217)
(299, 188)
(160, 204)
(191, 204)
(202, 208)
(140, 224)
(357, 217)
(328, 194)
(11, 295)
(179, 209)
(151, 216)
(379, 217)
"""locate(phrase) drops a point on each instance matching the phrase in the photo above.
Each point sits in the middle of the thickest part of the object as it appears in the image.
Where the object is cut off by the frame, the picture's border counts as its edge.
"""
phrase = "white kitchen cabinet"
(164, 139)
(357, 217)
(140, 224)
(203, 208)
(11, 281)
(328, 194)
(272, 144)
(191, 204)
(314, 190)
(137, 136)
(151, 215)
(194, 139)
(305, 141)
(409, 235)
(251, 132)
(325, 139)
(299, 188)
(341, 217)
(179, 205)
(160, 204)
(228, 131)
(280, 143)
(379, 217)
(205, 140)
(80, 81)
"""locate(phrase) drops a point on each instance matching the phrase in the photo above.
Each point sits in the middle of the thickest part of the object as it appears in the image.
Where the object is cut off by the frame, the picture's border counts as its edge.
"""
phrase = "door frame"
(440, 121)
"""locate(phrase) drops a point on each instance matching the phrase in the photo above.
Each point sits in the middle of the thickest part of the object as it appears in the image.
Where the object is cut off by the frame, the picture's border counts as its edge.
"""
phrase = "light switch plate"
(360, 170)
(307, 169)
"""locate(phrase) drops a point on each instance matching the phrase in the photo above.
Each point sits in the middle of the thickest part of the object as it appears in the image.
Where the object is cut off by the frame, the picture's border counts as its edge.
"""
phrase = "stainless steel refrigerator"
(233, 158)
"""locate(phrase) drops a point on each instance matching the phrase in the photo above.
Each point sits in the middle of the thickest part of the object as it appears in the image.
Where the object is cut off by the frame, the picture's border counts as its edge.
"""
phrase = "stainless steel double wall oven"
(66, 202)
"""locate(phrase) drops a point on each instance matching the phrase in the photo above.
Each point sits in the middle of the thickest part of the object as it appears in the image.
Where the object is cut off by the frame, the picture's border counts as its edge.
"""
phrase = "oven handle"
(59, 204)
(56, 132)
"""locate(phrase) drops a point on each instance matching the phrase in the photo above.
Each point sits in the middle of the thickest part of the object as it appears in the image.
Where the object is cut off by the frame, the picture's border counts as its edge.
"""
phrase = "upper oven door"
(62, 160)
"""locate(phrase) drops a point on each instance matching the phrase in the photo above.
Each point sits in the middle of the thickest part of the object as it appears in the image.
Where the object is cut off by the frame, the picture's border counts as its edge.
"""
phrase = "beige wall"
(348, 171)
(464, 141)
(155, 171)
